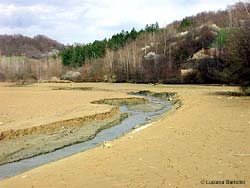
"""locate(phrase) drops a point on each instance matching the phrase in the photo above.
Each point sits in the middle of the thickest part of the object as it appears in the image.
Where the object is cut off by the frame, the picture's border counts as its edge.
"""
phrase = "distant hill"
(19, 45)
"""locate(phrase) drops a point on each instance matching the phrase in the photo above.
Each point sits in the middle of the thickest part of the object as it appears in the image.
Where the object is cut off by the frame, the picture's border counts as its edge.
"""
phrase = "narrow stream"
(136, 117)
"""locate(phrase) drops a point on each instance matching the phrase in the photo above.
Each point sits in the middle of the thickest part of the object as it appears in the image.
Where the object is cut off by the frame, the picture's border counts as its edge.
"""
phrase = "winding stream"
(136, 117)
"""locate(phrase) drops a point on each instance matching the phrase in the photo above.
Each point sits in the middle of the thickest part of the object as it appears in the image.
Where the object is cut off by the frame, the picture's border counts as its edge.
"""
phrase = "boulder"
(152, 56)
(72, 76)
(54, 79)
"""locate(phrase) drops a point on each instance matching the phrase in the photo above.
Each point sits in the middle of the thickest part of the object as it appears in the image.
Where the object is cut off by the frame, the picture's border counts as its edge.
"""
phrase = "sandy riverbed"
(207, 138)
(29, 106)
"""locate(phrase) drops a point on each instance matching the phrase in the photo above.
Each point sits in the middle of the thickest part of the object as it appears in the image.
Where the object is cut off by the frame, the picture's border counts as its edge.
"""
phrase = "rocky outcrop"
(72, 76)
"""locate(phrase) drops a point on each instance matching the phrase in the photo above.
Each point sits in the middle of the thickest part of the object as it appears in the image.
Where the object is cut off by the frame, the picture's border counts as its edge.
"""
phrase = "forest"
(76, 56)
(161, 55)
(210, 47)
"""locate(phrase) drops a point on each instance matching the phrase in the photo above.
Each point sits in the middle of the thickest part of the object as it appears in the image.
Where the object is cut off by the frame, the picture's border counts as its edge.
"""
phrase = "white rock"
(182, 34)
(107, 144)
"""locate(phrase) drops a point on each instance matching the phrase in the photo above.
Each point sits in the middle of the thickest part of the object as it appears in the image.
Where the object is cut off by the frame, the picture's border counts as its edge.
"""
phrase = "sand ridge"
(31, 106)
(206, 139)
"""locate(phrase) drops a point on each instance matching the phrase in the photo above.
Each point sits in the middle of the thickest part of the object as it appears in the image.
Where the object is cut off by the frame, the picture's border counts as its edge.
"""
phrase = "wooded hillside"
(156, 54)
(192, 50)
(19, 45)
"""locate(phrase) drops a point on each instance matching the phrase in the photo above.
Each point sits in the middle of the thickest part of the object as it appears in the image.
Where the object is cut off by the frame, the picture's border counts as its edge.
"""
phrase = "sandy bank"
(207, 138)
(31, 106)
(28, 141)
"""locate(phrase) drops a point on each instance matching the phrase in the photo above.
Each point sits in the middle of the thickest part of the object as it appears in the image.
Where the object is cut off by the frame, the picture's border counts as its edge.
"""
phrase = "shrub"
(192, 77)
(246, 90)
(237, 57)
(185, 23)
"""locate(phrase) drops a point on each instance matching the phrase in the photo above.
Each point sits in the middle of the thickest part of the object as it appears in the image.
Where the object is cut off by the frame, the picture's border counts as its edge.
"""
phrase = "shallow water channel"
(138, 115)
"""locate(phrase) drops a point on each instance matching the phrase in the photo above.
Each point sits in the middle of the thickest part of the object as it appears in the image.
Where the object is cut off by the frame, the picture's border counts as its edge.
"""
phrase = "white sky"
(84, 21)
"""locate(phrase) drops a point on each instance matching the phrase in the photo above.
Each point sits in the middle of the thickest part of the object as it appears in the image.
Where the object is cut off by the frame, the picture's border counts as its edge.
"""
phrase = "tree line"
(157, 55)
(76, 56)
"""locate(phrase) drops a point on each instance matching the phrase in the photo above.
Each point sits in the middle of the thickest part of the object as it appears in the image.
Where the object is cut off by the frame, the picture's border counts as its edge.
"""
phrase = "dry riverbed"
(206, 139)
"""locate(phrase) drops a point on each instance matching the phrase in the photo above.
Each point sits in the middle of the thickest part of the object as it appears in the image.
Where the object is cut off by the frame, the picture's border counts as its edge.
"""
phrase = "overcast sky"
(83, 21)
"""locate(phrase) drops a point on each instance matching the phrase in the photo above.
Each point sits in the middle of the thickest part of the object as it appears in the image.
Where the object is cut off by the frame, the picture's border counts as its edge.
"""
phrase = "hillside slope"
(157, 55)
(19, 45)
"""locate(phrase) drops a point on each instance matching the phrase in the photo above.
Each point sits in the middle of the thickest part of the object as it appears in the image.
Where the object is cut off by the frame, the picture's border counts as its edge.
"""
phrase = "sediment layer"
(61, 135)
(29, 142)
(208, 137)
(122, 101)
(76, 122)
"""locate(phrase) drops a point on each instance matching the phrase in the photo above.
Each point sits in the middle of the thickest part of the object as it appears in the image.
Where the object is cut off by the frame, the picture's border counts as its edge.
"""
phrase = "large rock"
(72, 76)
(152, 56)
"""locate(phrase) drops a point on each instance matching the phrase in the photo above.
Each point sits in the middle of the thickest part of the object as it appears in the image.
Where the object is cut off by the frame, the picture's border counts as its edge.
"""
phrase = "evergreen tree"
(75, 56)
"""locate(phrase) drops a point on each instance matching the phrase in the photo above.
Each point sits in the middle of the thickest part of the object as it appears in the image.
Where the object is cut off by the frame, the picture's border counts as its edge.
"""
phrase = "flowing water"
(137, 116)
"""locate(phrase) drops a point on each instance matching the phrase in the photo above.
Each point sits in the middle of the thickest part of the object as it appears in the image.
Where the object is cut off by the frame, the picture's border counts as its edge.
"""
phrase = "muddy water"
(138, 114)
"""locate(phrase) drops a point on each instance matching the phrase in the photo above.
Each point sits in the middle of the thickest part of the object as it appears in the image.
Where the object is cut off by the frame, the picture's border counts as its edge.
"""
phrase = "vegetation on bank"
(157, 55)
(210, 47)
(237, 58)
